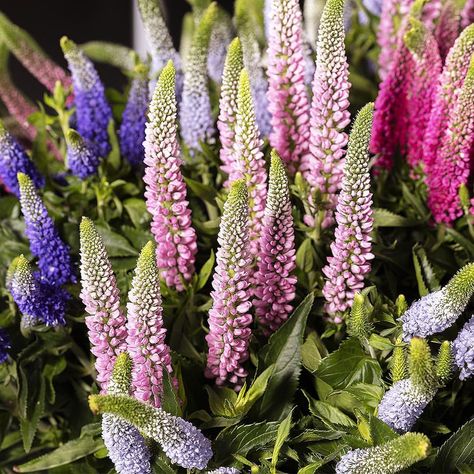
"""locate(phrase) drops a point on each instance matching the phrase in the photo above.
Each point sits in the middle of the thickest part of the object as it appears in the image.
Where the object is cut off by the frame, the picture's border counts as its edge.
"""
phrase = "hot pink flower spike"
(100, 295)
(275, 284)
(467, 14)
(448, 27)
(352, 246)
(453, 161)
(165, 188)
(230, 318)
(448, 89)
(322, 166)
(287, 96)
(423, 82)
(146, 334)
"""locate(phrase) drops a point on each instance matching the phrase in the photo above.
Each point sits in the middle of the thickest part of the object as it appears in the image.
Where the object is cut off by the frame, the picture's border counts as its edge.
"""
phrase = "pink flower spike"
(275, 284)
(165, 188)
(146, 334)
(352, 247)
(467, 14)
(448, 27)
(100, 295)
(322, 166)
(287, 96)
(230, 317)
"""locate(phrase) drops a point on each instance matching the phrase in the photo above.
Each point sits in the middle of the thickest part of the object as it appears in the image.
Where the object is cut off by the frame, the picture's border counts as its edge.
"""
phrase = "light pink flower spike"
(287, 96)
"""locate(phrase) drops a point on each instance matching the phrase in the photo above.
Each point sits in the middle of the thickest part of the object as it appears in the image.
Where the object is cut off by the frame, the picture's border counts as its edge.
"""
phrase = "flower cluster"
(275, 286)
(351, 249)
(165, 188)
(81, 157)
(322, 166)
(463, 349)
(229, 317)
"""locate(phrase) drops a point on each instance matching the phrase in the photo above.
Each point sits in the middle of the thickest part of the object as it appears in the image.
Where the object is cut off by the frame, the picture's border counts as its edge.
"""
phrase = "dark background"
(85, 20)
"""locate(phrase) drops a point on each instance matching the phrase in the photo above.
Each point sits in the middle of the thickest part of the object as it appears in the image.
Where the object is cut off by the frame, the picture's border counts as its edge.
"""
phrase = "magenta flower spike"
(230, 318)
(422, 86)
(228, 105)
(146, 334)
(452, 167)
(467, 14)
(448, 89)
(100, 295)
(165, 188)
(448, 27)
(322, 166)
(275, 284)
(351, 249)
(287, 96)
(249, 162)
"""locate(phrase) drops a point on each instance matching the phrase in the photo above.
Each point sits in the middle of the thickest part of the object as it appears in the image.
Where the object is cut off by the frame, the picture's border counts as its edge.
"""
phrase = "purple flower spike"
(322, 166)
(82, 159)
(463, 349)
(287, 96)
(165, 188)
(351, 249)
(100, 295)
(448, 27)
(5, 345)
(14, 160)
(275, 285)
(92, 110)
(146, 334)
(229, 317)
(132, 130)
(54, 260)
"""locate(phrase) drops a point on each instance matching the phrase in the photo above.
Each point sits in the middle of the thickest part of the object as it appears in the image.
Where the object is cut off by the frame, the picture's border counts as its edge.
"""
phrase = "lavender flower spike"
(126, 446)
(14, 160)
(162, 49)
(82, 159)
(439, 310)
(249, 162)
(165, 188)
(463, 349)
(228, 105)
(229, 317)
(221, 36)
(5, 346)
(92, 110)
(132, 130)
(287, 96)
(196, 119)
(388, 458)
(182, 442)
(146, 333)
(224, 470)
(54, 260)
(275, 284)
(322, 167)
(100, 295)
(351, 249)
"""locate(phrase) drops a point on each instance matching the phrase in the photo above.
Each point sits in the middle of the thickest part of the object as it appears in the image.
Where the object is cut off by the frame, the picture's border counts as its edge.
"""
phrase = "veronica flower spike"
(463, 349)
(388, 458)
(100, 295)
(132, 129)
(165, 188)
(82, 158)
(146, 334)
(92, 109)
(287, 96)
(221, 36)
(53, 256)
(322, 166)
(229, 317)
(439, 310)
(14, 160)
(125, 445)
(275, 284)
(197, 123)
(182, 442)
(228, 105)
(249, 162)
(351, 249)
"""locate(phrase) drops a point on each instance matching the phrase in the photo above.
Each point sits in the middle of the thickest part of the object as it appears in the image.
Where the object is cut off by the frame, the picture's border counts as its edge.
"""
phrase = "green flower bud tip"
(11, 269)
(401, 305)
(415, 36)
(24, 182)
(460, 288)
(421, 364)
(122, 373)
(398, 363)
(464, 196)
(67, 45)
(74, 138)
(358, 324)
(444, 363)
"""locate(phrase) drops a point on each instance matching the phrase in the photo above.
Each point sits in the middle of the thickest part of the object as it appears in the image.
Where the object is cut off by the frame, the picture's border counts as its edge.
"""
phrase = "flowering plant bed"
(258, 257)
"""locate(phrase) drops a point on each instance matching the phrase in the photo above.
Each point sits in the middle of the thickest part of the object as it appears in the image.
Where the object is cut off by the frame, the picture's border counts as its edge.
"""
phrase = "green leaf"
(282, 435)
(385, 218)
(160, 466)
(310, 355)
(458, 450)
(380, 432)
(326, 412)
(221, 401)
(113, 160)
(205, 192)
(206, 271)
(117, 246)
(170, 401)
(380, 343)
(35, 411)
(284, 352)
(305, 256)
(425, 276)
(65, 454)
(466, 244)
(137, 211)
